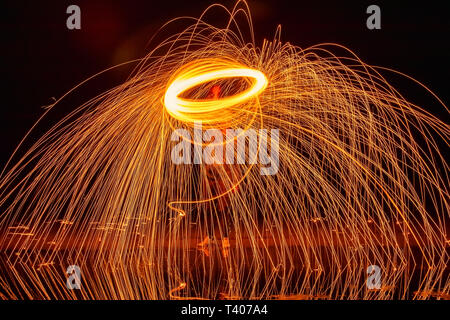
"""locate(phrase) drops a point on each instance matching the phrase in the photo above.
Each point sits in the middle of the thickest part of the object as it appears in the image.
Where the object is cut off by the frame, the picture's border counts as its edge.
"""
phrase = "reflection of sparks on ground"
(362, 180)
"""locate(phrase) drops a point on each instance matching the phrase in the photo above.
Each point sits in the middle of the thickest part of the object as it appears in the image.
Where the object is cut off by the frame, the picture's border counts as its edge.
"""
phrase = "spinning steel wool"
(362, 180)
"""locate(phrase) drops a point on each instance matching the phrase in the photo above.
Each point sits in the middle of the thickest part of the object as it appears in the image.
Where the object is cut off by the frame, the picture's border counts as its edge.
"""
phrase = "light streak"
(204, 71)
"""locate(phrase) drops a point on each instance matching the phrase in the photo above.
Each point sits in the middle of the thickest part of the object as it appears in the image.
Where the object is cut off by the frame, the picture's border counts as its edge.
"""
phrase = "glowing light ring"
(181, 108)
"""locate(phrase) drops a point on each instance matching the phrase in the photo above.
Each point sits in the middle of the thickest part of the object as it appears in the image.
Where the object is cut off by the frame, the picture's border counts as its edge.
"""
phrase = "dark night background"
(43, 59)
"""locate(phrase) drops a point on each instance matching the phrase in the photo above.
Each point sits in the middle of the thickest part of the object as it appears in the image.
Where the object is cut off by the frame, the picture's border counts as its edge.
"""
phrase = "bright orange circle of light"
(198, 73)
